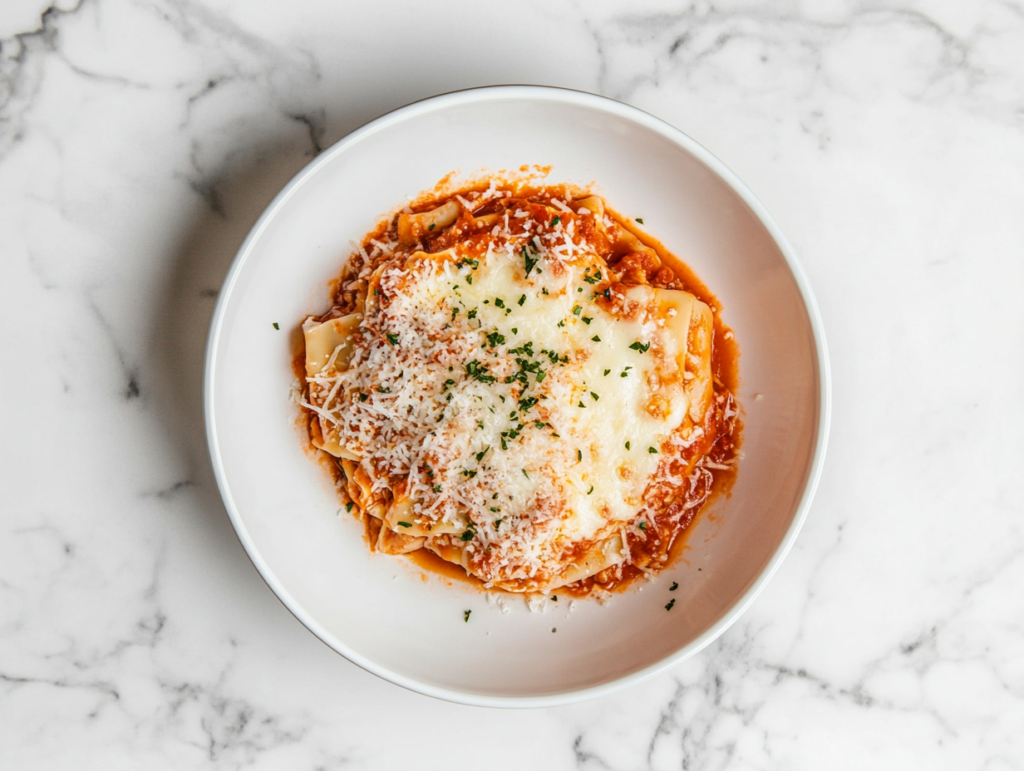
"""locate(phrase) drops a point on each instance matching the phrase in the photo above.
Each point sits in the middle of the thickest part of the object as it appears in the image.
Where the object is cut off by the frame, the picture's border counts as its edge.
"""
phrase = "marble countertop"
(140, 140)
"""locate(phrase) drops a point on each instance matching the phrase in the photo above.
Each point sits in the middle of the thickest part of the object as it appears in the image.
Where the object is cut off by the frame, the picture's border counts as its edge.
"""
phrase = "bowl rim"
(613, 107)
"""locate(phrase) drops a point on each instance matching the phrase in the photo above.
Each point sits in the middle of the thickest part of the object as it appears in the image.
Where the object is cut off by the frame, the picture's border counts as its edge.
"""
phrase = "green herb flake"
(577, 310)
(586, 320)
(478, 371)
(642, 525)
(471, 314)
(436, 488)
(555, 221)
(596, 338)
(277, 326)
(495, 338)
(640, 220)
(469, 280)
(363, 397)
(581, 404)
(590, 490)
(675, 585)
(499, 303)
(495, 509)
(670, 604)
(348, 507)
(525, 474)
(652, 451)
(594, 396)
(405, 524)
(467, 535)
(468, 473)
(392, 338)
(606, 372)
(480, 455)
(530, 260)
(627, 444)
(465, 616)
(432, 226)
(522, 300)
(561, 323)
(641, 347)
(579, 455)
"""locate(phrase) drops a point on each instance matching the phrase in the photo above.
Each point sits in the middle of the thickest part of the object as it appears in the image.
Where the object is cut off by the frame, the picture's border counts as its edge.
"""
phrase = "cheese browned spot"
(497, 392)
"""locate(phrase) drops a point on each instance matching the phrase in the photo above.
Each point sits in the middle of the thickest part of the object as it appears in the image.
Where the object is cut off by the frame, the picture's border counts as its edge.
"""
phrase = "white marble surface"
(140, 139)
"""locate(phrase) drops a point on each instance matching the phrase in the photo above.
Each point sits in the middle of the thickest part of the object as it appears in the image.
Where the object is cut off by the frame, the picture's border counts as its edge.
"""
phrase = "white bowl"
(380, 611)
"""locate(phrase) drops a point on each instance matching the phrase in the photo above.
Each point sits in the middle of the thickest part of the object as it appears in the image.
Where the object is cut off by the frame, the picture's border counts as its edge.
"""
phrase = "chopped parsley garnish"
(348, 507)
(405, 524)
(432, 226)
(468, 473)
(526, 402)
(675, 585)
(627, 444)
(596, 338)
(652, 451)
(530, 260)
(495, 338)
(276, 325)
(639, 219)
(495, 509)
(465, 616)
(579, 455)
(607, 293)
(478, 371)
(525, 474)
(436, 488)
(544, 290)
(561, 323)
(670, 604)
(363, 397)
(467, 535)
(581, 404)
(586, 320)
(448, 384)
(577, 310)
(590, 490)
(555, 221)
(638, 346)
(499, 303)
(592, 279)
(579, 289)
(480, 455)
(471, 314)
(642, 525)
(469, 280)
(606, 372)
(392, 338)
(625, 372)
(522, 299)
(594, 396)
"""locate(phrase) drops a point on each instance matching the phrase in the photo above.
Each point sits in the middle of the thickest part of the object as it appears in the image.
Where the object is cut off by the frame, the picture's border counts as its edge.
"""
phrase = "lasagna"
(515, 380)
